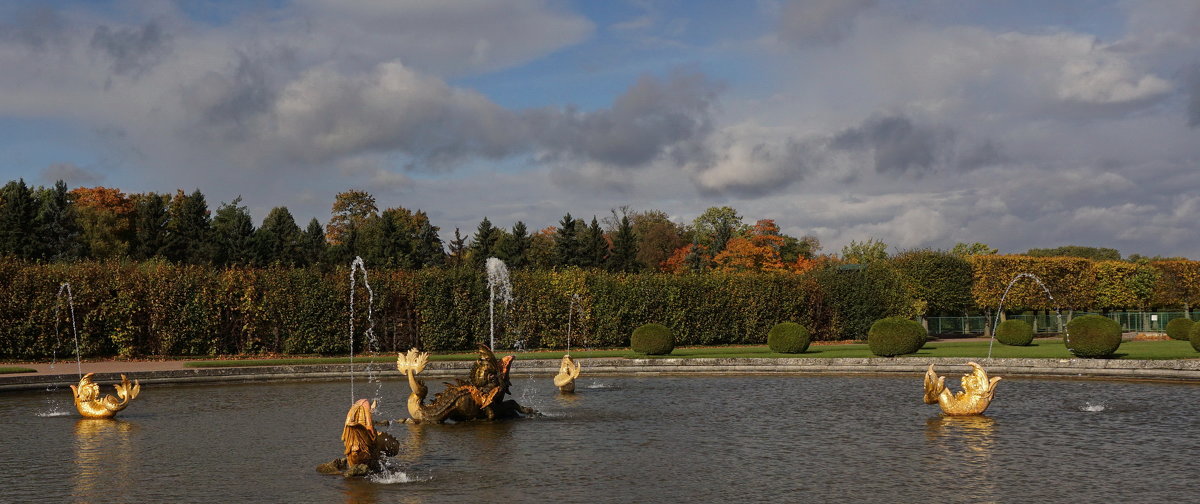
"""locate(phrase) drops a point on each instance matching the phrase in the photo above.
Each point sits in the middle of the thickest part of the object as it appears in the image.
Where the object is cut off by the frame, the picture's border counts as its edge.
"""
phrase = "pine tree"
(149, 225)
(428, 247)
(623, 257)
(483, 245)
(594, 246)
(566, 243)
(232, 234)
(189, 231)
(18, 209)
(56, 231)
(458, 247)
(514, 248)
(279, 240)
(313, 245)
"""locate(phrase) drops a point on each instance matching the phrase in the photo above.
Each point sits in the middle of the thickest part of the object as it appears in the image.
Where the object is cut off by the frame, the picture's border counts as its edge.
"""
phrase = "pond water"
(621, 439)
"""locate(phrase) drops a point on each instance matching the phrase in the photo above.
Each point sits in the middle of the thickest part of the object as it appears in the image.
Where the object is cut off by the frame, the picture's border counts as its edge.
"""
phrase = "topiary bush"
(788, 337)
(1093, 336)
(652, 339)
(1014, 332)
(1194, 336)
(1178, 329)
(894, 336)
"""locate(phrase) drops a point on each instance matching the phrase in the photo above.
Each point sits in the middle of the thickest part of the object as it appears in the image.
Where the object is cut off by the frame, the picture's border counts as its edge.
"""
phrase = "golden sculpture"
(974, 399)
(568, 371)
(363, 445)
(91, 405)
(481, 397)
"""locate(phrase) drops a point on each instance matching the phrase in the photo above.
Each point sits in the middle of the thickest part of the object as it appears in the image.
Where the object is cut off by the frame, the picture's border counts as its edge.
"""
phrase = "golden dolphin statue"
(568, 371)
(91, 405)
(974, 399)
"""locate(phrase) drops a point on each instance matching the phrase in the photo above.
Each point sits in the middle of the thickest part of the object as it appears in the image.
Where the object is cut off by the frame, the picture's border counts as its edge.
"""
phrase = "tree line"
(54, 224)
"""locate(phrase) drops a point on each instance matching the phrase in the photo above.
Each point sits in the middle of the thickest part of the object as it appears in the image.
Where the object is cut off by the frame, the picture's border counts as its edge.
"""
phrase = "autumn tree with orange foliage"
(758, 251)
(106, 217)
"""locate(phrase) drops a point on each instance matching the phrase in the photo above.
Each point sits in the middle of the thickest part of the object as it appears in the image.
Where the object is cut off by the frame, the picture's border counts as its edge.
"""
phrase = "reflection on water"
(669, 439)
(104, 459)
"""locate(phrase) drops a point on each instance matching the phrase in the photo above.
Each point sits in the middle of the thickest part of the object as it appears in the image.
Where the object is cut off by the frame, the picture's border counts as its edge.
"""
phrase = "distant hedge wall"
(158, 308)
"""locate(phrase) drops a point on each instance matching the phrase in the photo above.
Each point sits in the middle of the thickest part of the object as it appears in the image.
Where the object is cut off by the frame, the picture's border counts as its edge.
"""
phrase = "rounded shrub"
(1014, 332)
(652, 339)
(1178, 329)
(894, 336)
(1194, 336)
(788, 337)
(1093, 336)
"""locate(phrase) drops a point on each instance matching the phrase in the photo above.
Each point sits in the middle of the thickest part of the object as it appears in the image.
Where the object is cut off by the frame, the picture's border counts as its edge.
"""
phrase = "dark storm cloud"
(229, 105)
(133, 51)
(70, 173)
(651, 118)
(816, 22)
(897, 144)
(38, 28)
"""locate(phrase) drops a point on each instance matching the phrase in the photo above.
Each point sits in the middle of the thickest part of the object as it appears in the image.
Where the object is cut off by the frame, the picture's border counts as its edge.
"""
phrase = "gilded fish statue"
(480, 397)
(363, 445)
(974, 399)
(568, 371)
(91, 405)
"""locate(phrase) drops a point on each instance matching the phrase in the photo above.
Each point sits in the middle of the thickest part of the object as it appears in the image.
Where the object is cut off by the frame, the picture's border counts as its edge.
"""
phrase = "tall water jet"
(372, 343)
(66, 287)
(498, 284)
(1000, 309)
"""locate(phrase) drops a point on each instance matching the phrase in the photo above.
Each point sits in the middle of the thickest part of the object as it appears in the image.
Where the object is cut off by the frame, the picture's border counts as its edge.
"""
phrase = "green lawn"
(9, 370)
(1051, 348)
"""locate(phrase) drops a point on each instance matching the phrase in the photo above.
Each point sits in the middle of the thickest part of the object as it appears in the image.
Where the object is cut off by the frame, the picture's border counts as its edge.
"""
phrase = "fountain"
(372, 343)
(66, 287)
(974, 399)
(481, 397)
(1000, 309)
(568, 369)
(364, 447)
(87, 393)
(497, 275)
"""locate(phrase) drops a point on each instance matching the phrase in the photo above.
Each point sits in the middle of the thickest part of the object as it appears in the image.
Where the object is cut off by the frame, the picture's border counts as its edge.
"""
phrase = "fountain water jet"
(1000, 309)
(66, 286)
(372, 343)
(497, 274)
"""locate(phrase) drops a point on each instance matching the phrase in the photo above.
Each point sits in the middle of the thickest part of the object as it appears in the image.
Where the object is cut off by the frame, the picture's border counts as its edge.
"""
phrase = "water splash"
(372, 343)
(1092, 408)
(65, 287)
(1000, 310)
(498, 284)
(55, 413)
(571, 311)
(392, 477)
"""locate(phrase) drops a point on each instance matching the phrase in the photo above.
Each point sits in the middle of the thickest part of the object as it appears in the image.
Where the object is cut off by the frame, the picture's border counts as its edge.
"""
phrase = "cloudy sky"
(1015, 123)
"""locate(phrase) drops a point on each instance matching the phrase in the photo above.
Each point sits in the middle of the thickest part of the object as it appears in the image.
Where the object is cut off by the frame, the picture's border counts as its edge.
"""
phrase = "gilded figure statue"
(91, 405)
(480, 397)
(364, 446)
(974, 399)
(568, 371)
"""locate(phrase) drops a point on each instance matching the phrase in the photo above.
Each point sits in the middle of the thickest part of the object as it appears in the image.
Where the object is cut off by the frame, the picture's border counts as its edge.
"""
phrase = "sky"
(1020, 124)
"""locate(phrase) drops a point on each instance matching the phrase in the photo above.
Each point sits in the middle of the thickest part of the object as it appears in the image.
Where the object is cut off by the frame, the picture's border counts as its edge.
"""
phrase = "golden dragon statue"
(974, 399)
(479, 398)
(568, 371)
(364, 446)
(91, 405)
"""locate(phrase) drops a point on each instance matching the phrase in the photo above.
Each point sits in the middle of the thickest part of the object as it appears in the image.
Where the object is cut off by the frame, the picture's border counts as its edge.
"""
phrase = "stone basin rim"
(1179, 370)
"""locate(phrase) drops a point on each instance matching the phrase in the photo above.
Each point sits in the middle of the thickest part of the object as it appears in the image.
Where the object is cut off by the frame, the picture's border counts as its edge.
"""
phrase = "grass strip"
(11, 370)
(1047, 348)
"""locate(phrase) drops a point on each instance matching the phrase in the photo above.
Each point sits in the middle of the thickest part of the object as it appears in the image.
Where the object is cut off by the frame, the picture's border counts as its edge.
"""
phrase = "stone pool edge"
(1184, 370)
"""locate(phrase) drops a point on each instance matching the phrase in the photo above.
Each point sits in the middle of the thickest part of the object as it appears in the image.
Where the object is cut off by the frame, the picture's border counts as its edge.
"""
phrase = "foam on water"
(55, 413)
(391, 477)
(1092, 408)
(598, 385)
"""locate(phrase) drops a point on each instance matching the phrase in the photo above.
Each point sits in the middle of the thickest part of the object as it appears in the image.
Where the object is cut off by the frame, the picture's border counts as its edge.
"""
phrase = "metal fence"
(1044, 322)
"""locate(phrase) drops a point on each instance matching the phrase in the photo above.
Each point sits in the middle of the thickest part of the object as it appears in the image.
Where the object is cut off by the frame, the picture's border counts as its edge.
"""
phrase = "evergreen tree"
(279, 240)
(514, 248)
(594, 246)
(313, 245)
(695, 260)
(189, 231)
(483, 245)
(18, 210)
(458, 247)
(381, 243)
(566, 243)
(428, 247)
(149, 225)
(56, 230)
(232, 234)
(624, 255)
